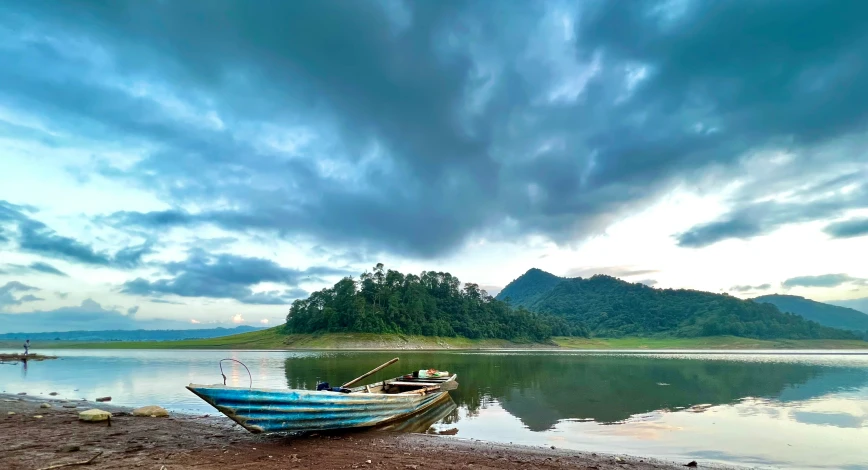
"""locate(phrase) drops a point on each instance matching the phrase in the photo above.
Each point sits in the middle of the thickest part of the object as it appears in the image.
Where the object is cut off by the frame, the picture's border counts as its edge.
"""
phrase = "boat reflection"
(445, 411)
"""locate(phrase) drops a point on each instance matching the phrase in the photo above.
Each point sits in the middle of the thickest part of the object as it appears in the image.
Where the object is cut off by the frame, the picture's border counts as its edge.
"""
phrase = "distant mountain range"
(129, 335)
(824, 314)
(860, 305)
(606, 306)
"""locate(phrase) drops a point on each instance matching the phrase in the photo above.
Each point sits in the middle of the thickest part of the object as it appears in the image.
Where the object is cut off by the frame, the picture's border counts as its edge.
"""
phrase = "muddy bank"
(21, 357)
(35, 438)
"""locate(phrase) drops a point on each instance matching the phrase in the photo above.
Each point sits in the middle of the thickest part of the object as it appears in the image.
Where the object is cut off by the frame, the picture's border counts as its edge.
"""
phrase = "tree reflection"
(543, 389)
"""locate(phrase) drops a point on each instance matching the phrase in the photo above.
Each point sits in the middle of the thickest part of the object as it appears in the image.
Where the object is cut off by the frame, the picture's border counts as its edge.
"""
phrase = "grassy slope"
(273, 339)
(712, 342)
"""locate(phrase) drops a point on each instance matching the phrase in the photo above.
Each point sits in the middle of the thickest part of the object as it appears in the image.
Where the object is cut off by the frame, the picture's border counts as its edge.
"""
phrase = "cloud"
(411, 128)
(237, 319)
(848, 228)
(825, 280)
(47, 268)
(226, 276)
(35, 237)
(749, 288)
(614, 271)
(132, 310)
(8, 298)
(90, 316)
(264, 321)
(648, 282)
(752, 219)
(194, 321)
(492, 290)
(61, 295)
(164, 301)
(39, 267)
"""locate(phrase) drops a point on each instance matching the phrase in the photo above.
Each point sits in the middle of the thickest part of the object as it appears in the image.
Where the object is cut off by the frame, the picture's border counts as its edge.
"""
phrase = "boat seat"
(413, 384)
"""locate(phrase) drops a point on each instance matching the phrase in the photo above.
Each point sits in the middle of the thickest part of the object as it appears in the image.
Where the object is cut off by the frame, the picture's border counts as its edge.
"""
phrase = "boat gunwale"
(355, 391)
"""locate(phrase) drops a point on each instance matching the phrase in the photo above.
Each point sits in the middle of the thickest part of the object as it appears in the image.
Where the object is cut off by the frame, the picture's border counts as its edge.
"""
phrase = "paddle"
(372, 372)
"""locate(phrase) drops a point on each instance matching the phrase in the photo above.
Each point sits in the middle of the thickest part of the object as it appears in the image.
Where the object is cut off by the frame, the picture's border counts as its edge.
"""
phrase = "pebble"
(69, 448)
(54, 394)
(45, 405)
(101, 399)
(37, 417)
(10, 413)
(70, 405)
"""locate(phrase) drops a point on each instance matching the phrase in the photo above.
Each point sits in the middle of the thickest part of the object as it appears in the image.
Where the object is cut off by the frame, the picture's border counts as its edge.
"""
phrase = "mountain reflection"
(543, 389)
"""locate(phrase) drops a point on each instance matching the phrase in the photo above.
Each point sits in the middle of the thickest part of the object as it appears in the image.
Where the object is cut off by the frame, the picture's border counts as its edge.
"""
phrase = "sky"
(204, 163)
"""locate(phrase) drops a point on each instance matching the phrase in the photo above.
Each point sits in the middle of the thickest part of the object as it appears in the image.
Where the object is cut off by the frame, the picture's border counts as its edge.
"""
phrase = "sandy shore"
(212, 441)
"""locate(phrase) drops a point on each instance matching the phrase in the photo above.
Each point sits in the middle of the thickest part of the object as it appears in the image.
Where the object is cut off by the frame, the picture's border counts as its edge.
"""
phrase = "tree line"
(430, 304)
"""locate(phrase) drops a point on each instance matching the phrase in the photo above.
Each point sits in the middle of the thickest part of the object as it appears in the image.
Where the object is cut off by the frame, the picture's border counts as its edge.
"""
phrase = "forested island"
(537, 306)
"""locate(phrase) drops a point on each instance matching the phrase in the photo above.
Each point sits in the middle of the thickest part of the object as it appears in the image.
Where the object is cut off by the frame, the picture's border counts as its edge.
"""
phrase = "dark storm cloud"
(748, 288)
(226, 276)
(824, 280)
(433, 121)
(848, 228)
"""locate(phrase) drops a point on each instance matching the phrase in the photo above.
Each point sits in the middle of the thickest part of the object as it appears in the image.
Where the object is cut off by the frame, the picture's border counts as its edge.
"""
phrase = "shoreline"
(274, 340)
(213, 441)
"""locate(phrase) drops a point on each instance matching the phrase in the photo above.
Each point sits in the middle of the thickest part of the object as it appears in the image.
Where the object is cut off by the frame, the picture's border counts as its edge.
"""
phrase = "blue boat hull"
(264, 410)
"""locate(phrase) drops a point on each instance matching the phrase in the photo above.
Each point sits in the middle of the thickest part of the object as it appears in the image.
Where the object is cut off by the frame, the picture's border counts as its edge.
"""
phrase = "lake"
(805, 409)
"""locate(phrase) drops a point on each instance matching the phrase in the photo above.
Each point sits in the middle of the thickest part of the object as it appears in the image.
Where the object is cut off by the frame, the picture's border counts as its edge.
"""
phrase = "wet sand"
(214, 442)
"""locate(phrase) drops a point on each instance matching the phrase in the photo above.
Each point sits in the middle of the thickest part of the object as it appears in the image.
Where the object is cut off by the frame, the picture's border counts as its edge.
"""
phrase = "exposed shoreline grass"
(273, 339)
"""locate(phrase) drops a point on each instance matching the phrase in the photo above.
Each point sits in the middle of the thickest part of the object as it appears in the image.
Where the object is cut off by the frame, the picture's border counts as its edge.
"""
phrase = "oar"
(369, 373)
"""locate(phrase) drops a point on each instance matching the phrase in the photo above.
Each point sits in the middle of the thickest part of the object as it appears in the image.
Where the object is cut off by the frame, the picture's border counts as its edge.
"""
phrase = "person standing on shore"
(26, 347)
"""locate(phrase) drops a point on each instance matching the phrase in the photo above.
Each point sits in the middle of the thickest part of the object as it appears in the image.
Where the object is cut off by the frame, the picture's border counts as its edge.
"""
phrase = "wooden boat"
(272, 410)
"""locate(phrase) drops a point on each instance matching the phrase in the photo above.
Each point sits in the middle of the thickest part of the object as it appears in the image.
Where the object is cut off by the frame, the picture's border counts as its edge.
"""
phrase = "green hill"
(609, 307)
(824, 314)
(528, 287)
(430, 304)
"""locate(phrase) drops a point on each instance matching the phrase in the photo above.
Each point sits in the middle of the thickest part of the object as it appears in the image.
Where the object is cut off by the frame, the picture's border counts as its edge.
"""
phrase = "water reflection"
(788, 410)
(444, 412)
(545, 389)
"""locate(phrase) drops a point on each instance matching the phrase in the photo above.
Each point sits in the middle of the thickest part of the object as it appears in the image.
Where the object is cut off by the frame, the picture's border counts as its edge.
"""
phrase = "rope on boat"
(236, 360)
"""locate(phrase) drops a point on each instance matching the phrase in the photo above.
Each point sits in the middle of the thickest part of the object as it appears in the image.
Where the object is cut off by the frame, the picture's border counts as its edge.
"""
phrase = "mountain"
(606, 306)
(860, 305)
(129, 335)
(824, 314)
(529, 287)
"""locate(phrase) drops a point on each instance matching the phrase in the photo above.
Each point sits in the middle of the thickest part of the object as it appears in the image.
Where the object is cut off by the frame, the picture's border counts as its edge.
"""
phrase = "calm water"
(793, 410)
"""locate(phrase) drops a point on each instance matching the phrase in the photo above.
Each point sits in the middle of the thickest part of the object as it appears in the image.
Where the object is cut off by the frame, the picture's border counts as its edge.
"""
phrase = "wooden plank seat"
(413, 384)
